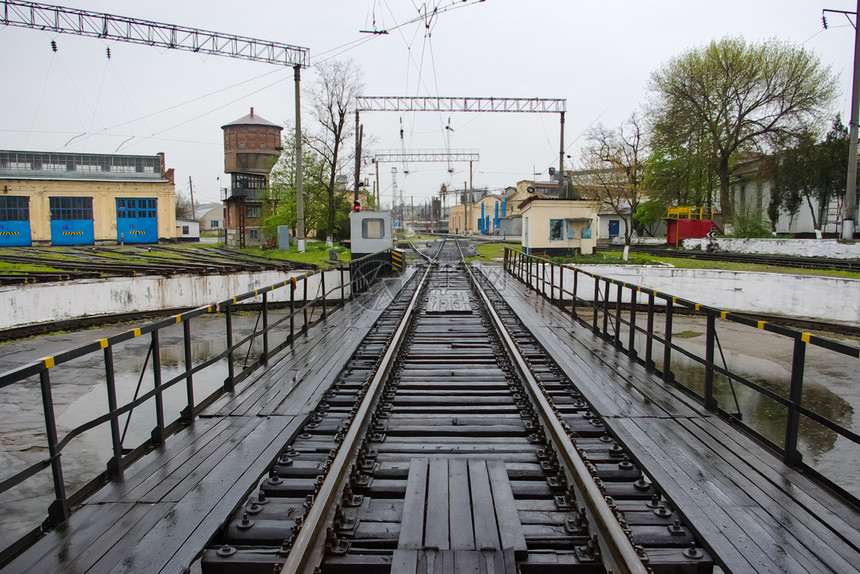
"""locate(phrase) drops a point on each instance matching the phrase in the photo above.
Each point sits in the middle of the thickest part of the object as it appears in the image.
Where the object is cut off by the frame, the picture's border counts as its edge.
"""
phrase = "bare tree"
(332, 98)
(612, 169)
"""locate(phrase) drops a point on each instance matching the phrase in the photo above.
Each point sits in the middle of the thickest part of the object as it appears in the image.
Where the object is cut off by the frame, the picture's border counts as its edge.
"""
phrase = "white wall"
(46, 302)
(801, 247)
(812, 297)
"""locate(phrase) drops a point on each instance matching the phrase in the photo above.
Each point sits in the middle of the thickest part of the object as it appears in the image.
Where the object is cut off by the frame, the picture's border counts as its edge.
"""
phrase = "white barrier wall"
(45, 302)
(833, 248)
(818, 298)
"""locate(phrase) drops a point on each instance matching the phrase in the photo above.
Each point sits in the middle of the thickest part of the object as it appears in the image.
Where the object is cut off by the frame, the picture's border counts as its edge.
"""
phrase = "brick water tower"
(252, 146)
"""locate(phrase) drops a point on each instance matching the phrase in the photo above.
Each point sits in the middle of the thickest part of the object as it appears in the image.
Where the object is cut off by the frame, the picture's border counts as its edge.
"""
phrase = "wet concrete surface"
(80, 394)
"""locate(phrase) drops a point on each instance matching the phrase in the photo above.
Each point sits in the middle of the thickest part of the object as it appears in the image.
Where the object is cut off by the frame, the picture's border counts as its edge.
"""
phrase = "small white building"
(187, 230)
(559, 226)
(210, 216)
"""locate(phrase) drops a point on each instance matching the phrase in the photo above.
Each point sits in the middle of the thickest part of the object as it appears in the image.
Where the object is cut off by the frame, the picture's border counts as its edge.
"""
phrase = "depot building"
(84, 199)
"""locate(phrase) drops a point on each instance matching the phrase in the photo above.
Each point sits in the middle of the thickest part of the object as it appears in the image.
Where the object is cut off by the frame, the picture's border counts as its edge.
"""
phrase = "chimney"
(252, 112)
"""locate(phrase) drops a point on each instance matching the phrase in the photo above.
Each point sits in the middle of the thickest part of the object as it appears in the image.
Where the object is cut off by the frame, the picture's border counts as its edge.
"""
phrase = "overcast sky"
(597, 55)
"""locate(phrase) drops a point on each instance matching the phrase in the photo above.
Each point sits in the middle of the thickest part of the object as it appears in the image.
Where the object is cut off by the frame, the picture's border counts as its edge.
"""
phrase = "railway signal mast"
(64, 20)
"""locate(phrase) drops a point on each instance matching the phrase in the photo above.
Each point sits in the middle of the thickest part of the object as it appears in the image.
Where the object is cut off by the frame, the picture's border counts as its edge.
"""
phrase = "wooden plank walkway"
(171, 503)
(754, 513)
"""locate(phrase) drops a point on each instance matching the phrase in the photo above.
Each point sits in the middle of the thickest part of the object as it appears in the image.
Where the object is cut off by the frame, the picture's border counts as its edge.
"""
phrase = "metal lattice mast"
(64, 20)
(123, 29)
(466, 104)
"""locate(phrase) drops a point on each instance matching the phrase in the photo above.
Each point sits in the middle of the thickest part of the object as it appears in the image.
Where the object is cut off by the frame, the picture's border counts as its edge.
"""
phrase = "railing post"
(231, 369)
(631, 345)
(594, 328)
(792, 456)
(305, 304)
(619, 295)
(187, 414)
(649, 334)
(265, 329)
(342, 287)
(573, 297)
(710, 338)
(59, 510)
(667, 347)
(606, 308)
(114, 465)
(552, 282)
(293, 309)
(157, 434)
(322, 288)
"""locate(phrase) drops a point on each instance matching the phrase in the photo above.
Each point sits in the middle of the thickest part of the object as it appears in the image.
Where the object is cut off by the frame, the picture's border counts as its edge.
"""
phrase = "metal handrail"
(354, 277)
(525, 268)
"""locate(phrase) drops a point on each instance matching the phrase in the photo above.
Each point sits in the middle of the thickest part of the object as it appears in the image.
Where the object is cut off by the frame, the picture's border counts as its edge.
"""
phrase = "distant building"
(482, 216)
(82, 199)
(187, 230)
(210, 216)
(557, 227)
(252, 146)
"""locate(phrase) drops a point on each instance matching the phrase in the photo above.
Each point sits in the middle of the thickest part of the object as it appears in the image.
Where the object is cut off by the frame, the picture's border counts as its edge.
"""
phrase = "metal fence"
(623, 314)
(322, 289)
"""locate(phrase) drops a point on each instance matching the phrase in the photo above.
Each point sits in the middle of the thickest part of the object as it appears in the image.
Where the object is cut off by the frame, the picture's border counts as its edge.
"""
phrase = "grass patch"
(488, 251)
(315, 253)
(22, 268)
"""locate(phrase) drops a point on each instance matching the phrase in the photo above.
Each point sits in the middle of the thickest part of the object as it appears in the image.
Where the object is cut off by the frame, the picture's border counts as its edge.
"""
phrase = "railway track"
(450, 442)
(773, 260)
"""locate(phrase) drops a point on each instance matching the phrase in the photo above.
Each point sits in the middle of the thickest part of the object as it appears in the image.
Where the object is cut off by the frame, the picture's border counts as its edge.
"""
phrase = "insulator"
(53, 45)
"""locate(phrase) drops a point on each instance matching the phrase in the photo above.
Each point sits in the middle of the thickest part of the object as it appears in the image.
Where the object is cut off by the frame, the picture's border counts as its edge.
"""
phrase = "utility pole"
(849, 205)
(191, 191)
(357, 156)
(300, 187)
(561, 157)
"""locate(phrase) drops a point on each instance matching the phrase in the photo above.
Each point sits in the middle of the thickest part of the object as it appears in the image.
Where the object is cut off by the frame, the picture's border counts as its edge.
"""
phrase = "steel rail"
(616, 549)
(307, 550)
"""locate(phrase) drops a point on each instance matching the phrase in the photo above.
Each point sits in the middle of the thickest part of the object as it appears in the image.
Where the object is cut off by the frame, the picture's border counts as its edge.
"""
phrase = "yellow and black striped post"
(398, 260)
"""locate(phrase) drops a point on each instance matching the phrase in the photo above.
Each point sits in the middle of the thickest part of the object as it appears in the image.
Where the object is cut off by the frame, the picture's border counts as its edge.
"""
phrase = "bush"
(748, 223)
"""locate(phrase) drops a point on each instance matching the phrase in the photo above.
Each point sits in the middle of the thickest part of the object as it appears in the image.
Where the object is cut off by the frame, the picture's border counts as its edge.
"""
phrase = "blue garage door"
(14, 221)
(136, 220)
(71, 220)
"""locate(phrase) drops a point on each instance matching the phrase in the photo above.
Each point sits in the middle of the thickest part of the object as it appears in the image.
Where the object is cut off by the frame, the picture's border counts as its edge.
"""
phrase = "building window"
(254, 234)
(129, 208)
(254, 211)
(185, 230)
(14, 208)
(556, 229)
(71, 208)
(373, 228)
(213, 223)
(248, 181)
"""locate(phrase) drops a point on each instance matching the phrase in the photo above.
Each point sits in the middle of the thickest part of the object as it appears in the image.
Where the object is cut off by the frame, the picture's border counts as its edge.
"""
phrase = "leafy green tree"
(282, 183)
(648, 215)
(810, 172)
(739, 96)
(678, 174)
